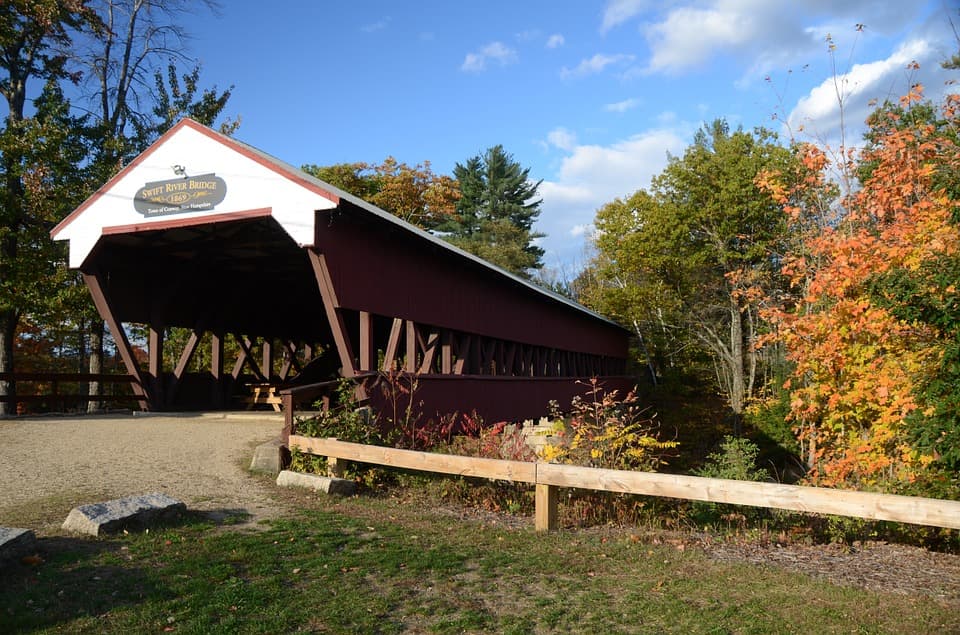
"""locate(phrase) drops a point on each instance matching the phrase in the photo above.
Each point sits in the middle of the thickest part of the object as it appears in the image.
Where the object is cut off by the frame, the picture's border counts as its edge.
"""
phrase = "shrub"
(344, 420)
(736, 460)
(610, 433)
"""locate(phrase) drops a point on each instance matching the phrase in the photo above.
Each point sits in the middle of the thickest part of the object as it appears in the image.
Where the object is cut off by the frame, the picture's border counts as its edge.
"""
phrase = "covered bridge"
(204, 232)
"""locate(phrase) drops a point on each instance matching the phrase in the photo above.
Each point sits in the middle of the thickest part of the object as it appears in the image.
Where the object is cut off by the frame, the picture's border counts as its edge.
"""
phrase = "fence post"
(336, 467)
(545, 514)
(289, 422)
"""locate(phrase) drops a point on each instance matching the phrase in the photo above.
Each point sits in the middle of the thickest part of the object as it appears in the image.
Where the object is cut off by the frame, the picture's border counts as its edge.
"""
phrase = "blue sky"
(592, 96)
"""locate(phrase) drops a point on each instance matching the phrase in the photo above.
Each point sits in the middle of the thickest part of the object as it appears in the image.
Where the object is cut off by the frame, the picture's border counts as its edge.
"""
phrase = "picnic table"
(264, 393)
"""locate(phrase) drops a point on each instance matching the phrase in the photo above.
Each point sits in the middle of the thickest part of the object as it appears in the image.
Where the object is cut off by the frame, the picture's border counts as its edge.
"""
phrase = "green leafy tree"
(496, 212)
(626, 282)
(414, 193)
(177, 97)
(355, 178)
(32, 36)
(687, 262)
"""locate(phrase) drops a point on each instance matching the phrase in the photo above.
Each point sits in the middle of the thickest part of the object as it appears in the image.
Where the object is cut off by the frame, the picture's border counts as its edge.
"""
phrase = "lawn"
(391, 564)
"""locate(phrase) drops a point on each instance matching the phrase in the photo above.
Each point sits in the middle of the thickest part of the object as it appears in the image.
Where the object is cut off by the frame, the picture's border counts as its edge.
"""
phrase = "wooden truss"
(425, 349)
(361, 341)
(256, 358)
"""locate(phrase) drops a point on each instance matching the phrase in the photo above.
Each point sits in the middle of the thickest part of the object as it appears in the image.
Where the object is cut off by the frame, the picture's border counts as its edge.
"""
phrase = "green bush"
(343, 421)
(736, 460)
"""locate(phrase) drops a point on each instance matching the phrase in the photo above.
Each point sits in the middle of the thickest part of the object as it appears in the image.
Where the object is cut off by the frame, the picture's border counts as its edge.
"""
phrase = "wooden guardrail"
(548, 477)
(52, 392)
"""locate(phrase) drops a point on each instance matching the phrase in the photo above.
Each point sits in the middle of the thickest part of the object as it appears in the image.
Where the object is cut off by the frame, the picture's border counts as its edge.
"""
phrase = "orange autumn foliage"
(857, 366)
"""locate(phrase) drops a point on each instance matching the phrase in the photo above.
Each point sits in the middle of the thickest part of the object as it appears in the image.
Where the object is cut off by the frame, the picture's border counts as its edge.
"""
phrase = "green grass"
(382, 565)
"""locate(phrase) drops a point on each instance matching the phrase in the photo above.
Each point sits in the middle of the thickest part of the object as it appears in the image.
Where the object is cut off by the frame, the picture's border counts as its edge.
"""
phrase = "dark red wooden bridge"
(204, 232)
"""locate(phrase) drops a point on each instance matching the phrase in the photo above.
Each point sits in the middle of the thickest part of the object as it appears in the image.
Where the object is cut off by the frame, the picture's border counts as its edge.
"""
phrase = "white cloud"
(592, 175)
(688, 36)
(495, 51)
(595, 64)
(619, 11)
(562, 138)
(762, 34)
(379, 25)
(623, 106)
(555, 41)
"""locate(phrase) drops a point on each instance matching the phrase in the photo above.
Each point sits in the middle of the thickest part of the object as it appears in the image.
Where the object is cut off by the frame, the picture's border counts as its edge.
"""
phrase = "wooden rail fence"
(48, 388)
(548, 477)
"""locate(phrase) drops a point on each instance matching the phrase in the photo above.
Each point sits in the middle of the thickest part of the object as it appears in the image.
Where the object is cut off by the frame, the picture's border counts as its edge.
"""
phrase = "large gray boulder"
(136, 512)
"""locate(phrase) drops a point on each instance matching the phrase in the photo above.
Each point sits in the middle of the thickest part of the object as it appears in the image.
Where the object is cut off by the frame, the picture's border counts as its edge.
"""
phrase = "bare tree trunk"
(8, 330)
(737, 387)
(96, 363)
(646, 352)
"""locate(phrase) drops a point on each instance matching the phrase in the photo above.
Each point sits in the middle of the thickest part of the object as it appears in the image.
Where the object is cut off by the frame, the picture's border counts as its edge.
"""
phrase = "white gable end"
(187, 176)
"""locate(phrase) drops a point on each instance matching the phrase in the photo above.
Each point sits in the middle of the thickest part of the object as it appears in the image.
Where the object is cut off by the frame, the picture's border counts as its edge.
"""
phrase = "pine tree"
(496, 212)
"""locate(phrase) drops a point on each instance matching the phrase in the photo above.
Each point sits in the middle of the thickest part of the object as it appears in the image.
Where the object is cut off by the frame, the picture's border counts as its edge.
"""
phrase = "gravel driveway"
(50, 465)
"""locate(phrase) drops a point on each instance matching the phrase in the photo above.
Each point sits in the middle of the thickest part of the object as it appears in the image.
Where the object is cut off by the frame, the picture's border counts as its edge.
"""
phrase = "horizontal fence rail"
(54, 383)
(548, 477)
(501, 470)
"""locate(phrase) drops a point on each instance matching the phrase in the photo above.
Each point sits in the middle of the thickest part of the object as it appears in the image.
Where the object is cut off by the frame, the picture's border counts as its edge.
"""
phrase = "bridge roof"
(204, 228)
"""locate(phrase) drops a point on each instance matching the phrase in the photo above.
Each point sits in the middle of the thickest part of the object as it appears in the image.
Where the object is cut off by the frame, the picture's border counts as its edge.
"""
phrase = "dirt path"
(50, 465)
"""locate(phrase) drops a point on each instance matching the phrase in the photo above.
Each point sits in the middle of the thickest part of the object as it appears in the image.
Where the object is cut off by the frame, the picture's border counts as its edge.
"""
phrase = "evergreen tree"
(496, 212)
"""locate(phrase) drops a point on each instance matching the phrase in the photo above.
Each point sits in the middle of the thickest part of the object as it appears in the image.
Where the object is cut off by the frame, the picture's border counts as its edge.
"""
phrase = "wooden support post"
(368, 354)
(463, 354)
(475, 360)
(267, 351)
(289, 356)
(181, 367)
(216, 368)
(510, 359)
(331, 307)
(545, 512)
(187, 353)
(289, 421)
(155, 364)
(393, 343)
(105, 309)
(429, 352)
(246, 357)
(446, 351)
(489, 363)
(410, 364)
